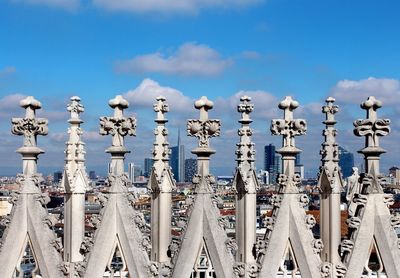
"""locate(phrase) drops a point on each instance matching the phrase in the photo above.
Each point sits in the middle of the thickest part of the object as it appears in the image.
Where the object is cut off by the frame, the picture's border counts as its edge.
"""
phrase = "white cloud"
(9, 106)
(265, 103)
(170, 6)
(250, 55)
(189, 59)
(7, 71)
(350, 91)
(70, 5)
(146, 93)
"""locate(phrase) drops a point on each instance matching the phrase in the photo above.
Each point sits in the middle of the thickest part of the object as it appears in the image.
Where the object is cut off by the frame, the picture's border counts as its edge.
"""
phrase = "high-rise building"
(57, 176)
(346, 162)
(92, 175)
(178, 161)
(190, 169)
(394, 175)
(271, 162)
(148, 164)
(298, 167)
(133, 172)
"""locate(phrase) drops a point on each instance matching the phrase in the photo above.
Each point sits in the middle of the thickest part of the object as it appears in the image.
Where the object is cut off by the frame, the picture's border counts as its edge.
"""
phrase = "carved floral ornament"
(30, 126)
(75, 107)
(245, 106)
(161, 105)
(114, 126)
(204, 128)
(288, 127)
(372, 127)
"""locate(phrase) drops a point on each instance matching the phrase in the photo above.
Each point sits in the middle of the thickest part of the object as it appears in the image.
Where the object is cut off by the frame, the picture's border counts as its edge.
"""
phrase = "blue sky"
(53, 49)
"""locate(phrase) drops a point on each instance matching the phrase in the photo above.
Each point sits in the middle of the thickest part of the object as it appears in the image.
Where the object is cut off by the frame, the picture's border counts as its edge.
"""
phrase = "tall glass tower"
(178, 160)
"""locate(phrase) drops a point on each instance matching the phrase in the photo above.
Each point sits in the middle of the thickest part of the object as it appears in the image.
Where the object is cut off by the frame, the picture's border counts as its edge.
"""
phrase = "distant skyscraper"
(297, 161)
(299, 168)
(57, 176)
(271, 162)
(346, 162)
(178, 161)
(131, 172)
(148, 164)
(190, 169)
(92, 175)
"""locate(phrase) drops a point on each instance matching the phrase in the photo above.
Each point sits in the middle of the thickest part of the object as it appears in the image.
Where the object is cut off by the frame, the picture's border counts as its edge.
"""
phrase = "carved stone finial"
(30, 104)
(203, 104)
(204, 128)
(30, 127)
(329, 150)
(161, 107)
(161, 148)
(75, 107)
(372, 128)
(75, 148)
(245, 152)
(119, 127)
(288, 127)
(330, 110)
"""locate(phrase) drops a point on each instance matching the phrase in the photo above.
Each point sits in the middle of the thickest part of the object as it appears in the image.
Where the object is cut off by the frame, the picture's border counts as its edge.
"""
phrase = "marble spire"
(161, 185)
(330, 185)
(245, 185)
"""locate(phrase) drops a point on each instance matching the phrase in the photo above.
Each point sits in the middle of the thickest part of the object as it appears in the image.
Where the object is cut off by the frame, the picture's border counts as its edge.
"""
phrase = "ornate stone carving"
(146, 244)
(288, 127)
(388, 199)
(140, 221)
(269, 223)
(86, 245)
(50, 220)
(56, 243)
(245, 148)
(239, 269)
(231, 245)
(304, 200)
(317, 246)
(395, 220)
(326, 270)
(223, 222)
(346, 246)
(204, 128)
(161, 150)
(340, 270)
(276, 200)
(118, 126)
(43, 199)
(354, 222)
(173, 248)
(30, 126)
(310, 221)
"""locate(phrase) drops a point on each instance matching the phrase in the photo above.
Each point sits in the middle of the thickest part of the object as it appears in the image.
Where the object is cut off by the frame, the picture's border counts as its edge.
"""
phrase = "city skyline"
(55, 49)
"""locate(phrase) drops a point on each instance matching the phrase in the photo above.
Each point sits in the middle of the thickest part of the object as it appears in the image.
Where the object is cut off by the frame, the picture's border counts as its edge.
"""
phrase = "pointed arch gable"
(191, 241)
(290, 226)
(203, 226)
(28, 222)
(118, 222)
(215, 238)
